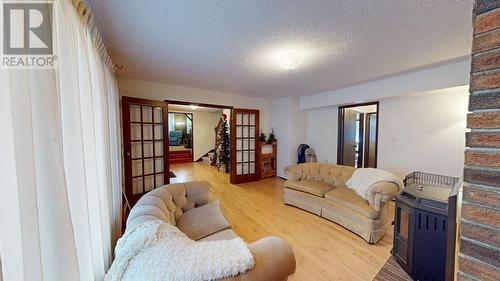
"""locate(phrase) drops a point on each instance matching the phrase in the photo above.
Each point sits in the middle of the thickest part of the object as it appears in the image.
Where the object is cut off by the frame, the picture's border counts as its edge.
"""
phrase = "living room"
(270, 140)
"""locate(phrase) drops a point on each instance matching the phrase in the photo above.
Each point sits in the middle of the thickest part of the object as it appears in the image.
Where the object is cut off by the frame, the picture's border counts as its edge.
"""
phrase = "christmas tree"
(223, 152)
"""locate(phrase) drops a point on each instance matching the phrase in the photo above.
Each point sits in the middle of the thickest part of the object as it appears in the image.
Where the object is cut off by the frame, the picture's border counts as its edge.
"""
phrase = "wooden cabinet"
(268, 157)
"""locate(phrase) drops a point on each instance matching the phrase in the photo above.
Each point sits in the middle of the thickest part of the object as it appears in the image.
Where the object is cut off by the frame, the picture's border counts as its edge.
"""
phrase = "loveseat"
(321, 189)
(175, 138)
(187, 206)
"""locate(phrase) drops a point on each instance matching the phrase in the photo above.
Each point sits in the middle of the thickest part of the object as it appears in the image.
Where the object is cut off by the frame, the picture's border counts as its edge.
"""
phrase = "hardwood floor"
(323, 249)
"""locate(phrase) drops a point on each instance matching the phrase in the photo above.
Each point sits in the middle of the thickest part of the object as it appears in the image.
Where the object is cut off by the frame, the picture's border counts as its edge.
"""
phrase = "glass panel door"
(145, 148)
(245, 153)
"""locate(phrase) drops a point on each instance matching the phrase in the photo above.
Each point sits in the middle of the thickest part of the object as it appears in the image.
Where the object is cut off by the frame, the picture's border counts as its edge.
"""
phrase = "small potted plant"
(262, 137)
(272, 138)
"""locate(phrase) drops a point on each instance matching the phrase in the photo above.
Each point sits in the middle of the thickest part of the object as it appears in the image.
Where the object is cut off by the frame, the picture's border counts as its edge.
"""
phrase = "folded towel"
(363, 178)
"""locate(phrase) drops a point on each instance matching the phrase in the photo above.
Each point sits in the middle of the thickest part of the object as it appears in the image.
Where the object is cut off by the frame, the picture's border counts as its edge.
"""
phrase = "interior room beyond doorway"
(358, 135)
(192, 131)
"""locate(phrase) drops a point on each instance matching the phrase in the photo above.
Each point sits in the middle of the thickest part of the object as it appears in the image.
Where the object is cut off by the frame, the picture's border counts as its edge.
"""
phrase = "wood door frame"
(361, 133)
(367, 144)
(199, 104)
(249, 177)
(340, 129)
(127, 142)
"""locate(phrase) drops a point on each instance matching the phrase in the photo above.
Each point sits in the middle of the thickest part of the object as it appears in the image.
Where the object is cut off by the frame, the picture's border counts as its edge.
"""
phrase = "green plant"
(262, 136)
(272, 137)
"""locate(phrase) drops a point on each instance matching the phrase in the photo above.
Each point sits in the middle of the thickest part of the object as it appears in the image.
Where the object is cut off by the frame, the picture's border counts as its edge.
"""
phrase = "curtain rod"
(88, 18)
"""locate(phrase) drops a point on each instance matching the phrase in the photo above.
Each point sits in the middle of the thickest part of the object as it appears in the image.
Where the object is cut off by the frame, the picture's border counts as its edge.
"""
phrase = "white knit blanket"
(158, 251)
(363, 178)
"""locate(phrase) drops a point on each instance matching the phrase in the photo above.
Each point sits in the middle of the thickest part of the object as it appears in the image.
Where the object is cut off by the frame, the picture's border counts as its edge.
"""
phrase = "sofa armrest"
(274, 260)
(198, 192)
(381, 193)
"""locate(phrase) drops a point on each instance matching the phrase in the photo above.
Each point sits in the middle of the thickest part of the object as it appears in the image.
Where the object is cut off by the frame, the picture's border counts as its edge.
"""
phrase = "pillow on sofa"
(203, 221)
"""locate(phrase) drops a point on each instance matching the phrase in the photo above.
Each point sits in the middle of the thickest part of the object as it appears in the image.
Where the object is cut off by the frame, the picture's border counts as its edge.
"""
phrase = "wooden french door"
(145, 144)
(245, 146)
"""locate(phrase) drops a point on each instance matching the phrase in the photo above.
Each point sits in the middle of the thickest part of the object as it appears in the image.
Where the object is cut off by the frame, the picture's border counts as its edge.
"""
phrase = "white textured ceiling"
(226, 45)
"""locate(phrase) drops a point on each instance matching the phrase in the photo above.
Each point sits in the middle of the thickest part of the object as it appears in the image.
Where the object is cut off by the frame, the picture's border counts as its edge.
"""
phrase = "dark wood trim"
(139, 101)
(340, 136)
(127, 148)
(232, 140)
(359, 104)
(361, 132)
(367, 133)
(340, 129)
(199, 104)
(376, 133)
(366, 148)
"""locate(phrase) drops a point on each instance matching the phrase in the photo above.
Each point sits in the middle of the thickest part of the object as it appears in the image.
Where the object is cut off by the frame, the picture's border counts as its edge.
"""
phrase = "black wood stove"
(425, 226)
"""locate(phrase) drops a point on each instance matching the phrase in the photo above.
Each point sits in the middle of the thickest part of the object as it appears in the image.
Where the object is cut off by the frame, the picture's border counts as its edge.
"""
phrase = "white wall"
(160, 91)
(424, 132)
(204, 133)
(290, 127)
(322, 129)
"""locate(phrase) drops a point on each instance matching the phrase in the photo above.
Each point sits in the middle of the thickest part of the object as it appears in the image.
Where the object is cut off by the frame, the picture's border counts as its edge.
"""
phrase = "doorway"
(194, 128)
(358, 135)
(180, 136)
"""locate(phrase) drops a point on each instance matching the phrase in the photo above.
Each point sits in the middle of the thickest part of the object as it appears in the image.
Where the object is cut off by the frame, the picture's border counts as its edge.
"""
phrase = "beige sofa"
(187, 206)
(320, 189)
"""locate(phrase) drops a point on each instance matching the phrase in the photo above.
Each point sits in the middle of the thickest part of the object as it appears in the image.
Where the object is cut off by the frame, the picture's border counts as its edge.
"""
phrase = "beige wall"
(204, 133)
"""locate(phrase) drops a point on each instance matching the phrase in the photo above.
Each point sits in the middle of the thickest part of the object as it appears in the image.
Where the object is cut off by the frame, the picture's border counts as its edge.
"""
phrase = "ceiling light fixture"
(288, 59)
(193, 107)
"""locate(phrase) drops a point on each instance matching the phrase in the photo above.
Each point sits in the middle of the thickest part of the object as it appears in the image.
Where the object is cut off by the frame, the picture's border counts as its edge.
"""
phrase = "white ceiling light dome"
(288, 58)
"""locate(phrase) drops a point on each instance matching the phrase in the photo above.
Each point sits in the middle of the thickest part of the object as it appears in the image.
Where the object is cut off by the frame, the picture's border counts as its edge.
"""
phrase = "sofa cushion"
(203, 221)
(336, 175)
(225, 234)
(164, 194)
(312, 187)
(350, 199)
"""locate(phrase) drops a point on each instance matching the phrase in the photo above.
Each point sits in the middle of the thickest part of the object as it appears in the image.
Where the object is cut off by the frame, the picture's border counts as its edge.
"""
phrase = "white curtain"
(60, 202)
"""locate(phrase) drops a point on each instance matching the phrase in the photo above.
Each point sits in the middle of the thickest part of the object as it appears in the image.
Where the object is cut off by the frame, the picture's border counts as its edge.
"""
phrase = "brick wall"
(479, 254)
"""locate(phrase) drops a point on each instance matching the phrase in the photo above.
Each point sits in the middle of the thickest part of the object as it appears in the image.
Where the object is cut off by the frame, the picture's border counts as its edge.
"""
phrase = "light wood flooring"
(323, 249)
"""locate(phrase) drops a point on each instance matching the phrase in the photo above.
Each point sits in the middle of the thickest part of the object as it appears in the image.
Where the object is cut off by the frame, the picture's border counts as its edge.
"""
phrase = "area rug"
(172, 175)
(392, 271)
